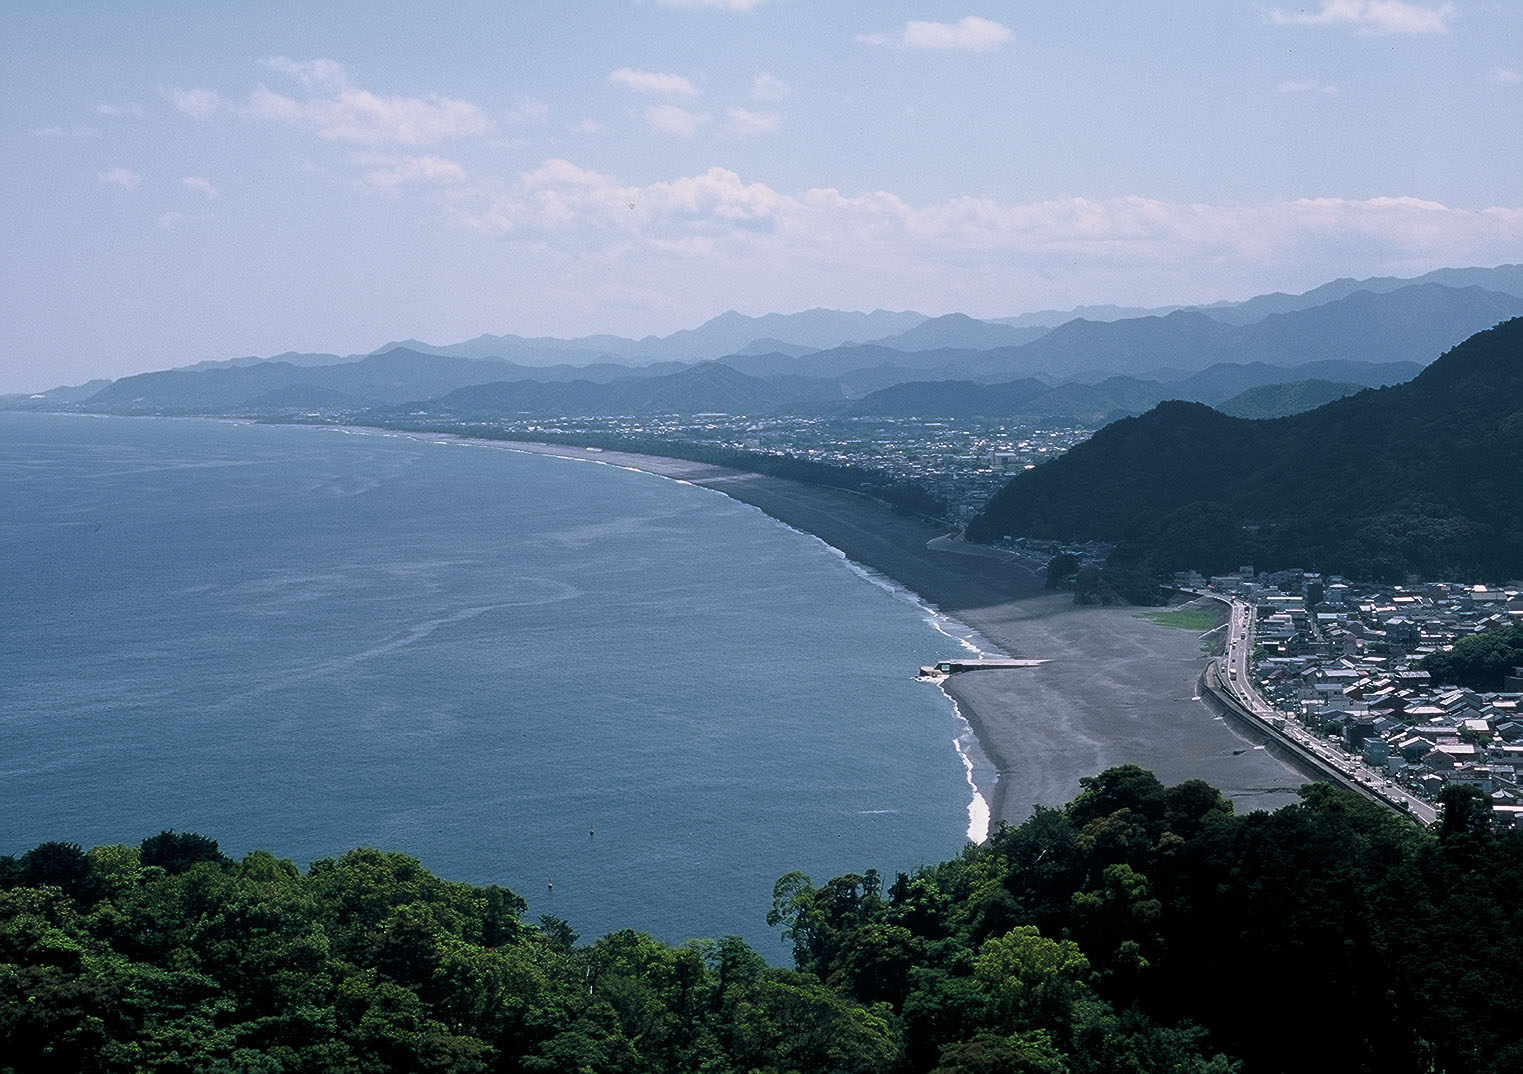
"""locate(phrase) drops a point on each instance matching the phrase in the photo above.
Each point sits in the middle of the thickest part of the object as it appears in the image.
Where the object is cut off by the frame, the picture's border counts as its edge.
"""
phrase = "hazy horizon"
(206, 183)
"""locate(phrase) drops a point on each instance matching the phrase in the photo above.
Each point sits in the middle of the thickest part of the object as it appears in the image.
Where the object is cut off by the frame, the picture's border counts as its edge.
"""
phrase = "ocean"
(634, 701)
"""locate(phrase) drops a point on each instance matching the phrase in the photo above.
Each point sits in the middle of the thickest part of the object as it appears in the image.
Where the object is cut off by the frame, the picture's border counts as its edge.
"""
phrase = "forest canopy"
(1140, 928)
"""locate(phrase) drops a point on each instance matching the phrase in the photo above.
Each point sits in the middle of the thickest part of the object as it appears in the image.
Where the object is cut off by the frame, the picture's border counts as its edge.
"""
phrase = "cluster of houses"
(1346, 661)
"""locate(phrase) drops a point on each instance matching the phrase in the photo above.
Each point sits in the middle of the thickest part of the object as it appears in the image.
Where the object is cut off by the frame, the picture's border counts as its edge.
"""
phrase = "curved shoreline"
(1114, 688)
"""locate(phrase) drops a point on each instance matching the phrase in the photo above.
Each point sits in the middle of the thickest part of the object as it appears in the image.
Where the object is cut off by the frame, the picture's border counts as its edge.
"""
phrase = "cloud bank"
(654, 83)
(968, 34)
(1372, 16)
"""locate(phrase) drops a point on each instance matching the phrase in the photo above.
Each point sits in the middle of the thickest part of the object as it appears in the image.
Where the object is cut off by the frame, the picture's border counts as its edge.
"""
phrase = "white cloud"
(653, 83)
(722, 222)
(171, 221)
(131, 108)
(528, 110)
(201, 186)
(313, 74)
(968, 34)
(1309, 86)
(127, 180)
(561, 202)
(1372, 16)
(1505, 76)
(672, 119)
(198, 104)
(365, 118)
(768, 89)
(392, 173)
(585, 125)
(745, 121)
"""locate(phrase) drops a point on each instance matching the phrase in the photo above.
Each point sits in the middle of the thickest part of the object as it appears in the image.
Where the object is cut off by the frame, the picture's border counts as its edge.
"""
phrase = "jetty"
(955, 667)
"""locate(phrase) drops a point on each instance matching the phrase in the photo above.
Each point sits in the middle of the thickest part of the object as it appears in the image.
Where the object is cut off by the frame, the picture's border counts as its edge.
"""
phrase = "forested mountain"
(1282, 400)
(1142, 929)
(1421, 477)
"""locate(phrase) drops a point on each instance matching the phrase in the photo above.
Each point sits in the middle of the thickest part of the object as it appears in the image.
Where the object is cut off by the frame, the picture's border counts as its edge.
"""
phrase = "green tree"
(175, 852)
(65, 866)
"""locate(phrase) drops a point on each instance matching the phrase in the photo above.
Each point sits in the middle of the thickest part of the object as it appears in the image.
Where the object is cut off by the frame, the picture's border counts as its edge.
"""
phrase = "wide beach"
(1115, 687)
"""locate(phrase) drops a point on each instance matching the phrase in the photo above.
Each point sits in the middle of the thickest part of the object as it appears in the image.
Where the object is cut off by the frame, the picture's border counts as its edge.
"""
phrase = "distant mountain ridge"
(728, 333)
(1421, 477)
(1507, 279)
(822, 329)
(1411, 324)
(1097, 370)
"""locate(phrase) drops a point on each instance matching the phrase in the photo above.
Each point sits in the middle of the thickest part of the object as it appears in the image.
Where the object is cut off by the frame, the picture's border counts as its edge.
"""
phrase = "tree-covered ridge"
(1418, 478)
(1141, 928)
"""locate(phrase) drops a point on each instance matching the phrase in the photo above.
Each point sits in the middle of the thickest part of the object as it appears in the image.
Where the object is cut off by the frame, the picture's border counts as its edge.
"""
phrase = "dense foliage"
(1482, 661)
(1141, 928)
(1417, 478)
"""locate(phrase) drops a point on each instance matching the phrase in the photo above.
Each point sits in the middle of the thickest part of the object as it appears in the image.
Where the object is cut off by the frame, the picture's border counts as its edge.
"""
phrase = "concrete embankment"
(1276, 742)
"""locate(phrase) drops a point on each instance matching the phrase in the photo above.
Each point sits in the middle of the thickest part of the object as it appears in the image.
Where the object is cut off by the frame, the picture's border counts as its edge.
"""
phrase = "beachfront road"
(1238, 680)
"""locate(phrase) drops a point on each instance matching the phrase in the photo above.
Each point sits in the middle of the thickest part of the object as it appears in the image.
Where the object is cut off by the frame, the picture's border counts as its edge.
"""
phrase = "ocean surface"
(634, 701)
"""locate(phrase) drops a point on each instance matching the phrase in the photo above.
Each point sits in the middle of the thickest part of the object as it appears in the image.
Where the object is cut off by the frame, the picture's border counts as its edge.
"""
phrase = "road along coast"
(1114, 687)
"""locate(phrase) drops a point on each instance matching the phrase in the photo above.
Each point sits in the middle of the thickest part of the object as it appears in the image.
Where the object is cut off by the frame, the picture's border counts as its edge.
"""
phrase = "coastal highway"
(1234, 676)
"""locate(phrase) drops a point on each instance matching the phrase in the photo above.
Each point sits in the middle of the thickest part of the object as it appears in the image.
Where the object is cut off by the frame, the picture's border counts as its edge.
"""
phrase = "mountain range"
(1082, 371)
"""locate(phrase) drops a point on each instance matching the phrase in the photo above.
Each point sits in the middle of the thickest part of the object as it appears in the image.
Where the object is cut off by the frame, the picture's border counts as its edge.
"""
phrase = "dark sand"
(1117, 688)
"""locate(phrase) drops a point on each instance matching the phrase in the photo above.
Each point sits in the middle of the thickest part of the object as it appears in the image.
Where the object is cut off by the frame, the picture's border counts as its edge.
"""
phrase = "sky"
(193, 180)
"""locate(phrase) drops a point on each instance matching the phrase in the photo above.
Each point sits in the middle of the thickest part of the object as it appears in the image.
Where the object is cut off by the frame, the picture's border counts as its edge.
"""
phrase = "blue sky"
(193, 180)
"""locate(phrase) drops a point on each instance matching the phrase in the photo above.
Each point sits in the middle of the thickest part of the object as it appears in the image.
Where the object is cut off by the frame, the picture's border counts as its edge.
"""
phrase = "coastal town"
(1335, 670)
(961, 463)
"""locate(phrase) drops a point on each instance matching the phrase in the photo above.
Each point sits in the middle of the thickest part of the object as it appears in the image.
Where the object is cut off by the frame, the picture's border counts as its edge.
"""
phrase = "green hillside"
(1283, 400)
(1422, 477)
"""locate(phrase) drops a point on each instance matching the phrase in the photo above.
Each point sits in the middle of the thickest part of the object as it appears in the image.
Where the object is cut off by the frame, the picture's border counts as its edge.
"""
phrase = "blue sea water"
(522, 670)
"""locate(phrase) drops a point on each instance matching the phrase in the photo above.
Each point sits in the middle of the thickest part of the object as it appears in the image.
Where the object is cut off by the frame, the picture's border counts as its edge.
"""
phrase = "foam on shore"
(977, 770)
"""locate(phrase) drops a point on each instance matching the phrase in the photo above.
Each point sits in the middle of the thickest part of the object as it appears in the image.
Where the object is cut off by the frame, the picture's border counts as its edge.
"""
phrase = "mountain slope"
(948, 399)
(1033, 401)
(704, 388)
(1411, 324)
(1422, 477)
(960, 330)
(1282, 400)
(391, 377)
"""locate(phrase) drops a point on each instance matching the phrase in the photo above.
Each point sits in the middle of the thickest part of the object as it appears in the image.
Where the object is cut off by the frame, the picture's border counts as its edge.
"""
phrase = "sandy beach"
(1115, 687)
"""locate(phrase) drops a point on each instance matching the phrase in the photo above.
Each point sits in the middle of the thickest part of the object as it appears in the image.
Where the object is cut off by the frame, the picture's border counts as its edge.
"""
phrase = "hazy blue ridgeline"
(306, 640)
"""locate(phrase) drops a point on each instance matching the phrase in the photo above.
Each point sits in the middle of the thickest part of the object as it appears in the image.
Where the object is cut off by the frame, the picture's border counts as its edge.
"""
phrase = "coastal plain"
(1114, 687)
